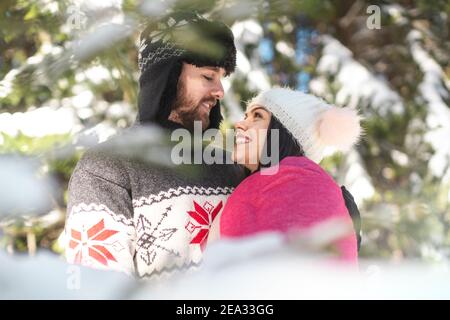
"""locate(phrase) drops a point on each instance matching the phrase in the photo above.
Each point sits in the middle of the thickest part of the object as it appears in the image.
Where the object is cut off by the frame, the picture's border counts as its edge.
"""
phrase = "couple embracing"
(149, 221)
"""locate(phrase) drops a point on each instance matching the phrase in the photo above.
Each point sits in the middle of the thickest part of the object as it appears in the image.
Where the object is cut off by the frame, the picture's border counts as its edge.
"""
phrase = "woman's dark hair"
(288, 145)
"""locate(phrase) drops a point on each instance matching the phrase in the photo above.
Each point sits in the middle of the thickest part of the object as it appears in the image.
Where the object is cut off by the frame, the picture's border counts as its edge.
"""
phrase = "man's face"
(197, 93)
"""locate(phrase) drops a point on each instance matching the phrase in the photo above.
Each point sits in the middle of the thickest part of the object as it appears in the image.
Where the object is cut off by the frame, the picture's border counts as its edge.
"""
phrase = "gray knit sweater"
(140, 219)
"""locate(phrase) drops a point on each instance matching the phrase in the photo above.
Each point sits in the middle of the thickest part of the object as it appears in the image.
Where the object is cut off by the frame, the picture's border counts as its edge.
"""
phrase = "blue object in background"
(303, 47)
(303, 50)
(265, 50)
(303, 79)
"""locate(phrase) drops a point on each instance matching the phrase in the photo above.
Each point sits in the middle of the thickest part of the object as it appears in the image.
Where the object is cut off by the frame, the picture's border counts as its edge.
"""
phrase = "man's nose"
(218, 91)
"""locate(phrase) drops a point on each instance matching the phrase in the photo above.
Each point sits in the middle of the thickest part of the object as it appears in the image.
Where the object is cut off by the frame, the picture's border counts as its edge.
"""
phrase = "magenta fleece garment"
(300, 195)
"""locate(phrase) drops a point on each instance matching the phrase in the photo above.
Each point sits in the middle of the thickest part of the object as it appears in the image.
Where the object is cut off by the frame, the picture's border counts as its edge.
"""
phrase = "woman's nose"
(241, 125)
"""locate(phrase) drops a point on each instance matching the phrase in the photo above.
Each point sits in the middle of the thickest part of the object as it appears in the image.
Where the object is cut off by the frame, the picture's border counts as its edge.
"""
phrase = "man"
(128, 216)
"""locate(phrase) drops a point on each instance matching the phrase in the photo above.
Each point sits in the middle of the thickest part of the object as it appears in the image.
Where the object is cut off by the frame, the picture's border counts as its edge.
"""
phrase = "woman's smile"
(242, 138)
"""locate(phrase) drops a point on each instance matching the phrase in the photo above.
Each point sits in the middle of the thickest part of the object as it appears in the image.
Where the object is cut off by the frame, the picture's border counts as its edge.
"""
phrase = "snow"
(36, 59)
(249, 32)
(47, 276)
(243, 64)
(319, 86)
(97, 134)
(397, 12)
(39, 122)
(399, 157)
(355, 178)
(98, 13)
(99, 6)
(82, 100)
(153, 8)
(104, 36)
(21, 191)
(147, 143)
(6, 85)
(432, 90)
(245, 32)
(120, 109)
(266, 267)
(357, 84)
(96, 75)
(357, 88)
(49, 48)
(49, 6)
(285, 48)
(258, 80)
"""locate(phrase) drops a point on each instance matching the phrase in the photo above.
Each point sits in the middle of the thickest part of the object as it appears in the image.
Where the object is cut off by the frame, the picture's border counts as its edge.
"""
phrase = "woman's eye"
(258, 115)
(208, 78)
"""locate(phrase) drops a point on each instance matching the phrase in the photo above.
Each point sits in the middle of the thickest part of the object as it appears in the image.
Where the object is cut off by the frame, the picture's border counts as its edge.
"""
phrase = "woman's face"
(251, 134)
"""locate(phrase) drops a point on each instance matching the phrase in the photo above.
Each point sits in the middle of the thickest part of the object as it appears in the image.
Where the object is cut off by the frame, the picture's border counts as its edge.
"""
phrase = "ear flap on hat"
(152, 84)
(339, 127)
(158, 88)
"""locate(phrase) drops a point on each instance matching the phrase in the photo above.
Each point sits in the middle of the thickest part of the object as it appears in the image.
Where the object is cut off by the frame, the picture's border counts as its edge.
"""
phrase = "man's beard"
(189, 111)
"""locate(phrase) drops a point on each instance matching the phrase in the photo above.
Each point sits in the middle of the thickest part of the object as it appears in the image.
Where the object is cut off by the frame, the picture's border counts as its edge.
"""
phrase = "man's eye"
(208, 78)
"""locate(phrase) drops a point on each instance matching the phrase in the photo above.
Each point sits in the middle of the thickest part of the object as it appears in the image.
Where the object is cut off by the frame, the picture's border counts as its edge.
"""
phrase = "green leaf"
(32, 13)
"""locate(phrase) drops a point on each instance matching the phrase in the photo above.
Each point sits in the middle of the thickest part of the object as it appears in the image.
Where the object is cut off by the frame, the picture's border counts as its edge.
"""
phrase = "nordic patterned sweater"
(128, 216)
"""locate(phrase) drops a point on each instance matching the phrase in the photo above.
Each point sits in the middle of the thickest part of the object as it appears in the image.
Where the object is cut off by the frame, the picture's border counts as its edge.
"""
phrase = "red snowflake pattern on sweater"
(93, 241)
(203, 216)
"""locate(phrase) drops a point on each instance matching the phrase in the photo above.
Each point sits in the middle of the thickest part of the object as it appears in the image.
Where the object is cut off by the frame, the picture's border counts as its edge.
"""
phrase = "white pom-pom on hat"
(339, 127)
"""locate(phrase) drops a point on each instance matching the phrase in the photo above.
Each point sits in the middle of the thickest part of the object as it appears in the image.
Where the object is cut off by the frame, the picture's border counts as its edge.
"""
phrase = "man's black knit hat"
(167, 43)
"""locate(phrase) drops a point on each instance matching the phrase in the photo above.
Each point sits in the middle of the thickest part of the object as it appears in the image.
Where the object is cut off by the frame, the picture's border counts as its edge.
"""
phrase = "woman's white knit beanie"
(313, 122)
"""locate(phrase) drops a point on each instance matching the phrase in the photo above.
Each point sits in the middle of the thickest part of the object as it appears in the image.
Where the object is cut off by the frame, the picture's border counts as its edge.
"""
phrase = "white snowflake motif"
(153, 240)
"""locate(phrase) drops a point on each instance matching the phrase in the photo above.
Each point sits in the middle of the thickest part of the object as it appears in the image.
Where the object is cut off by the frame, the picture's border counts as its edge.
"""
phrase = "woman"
(293, 192)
